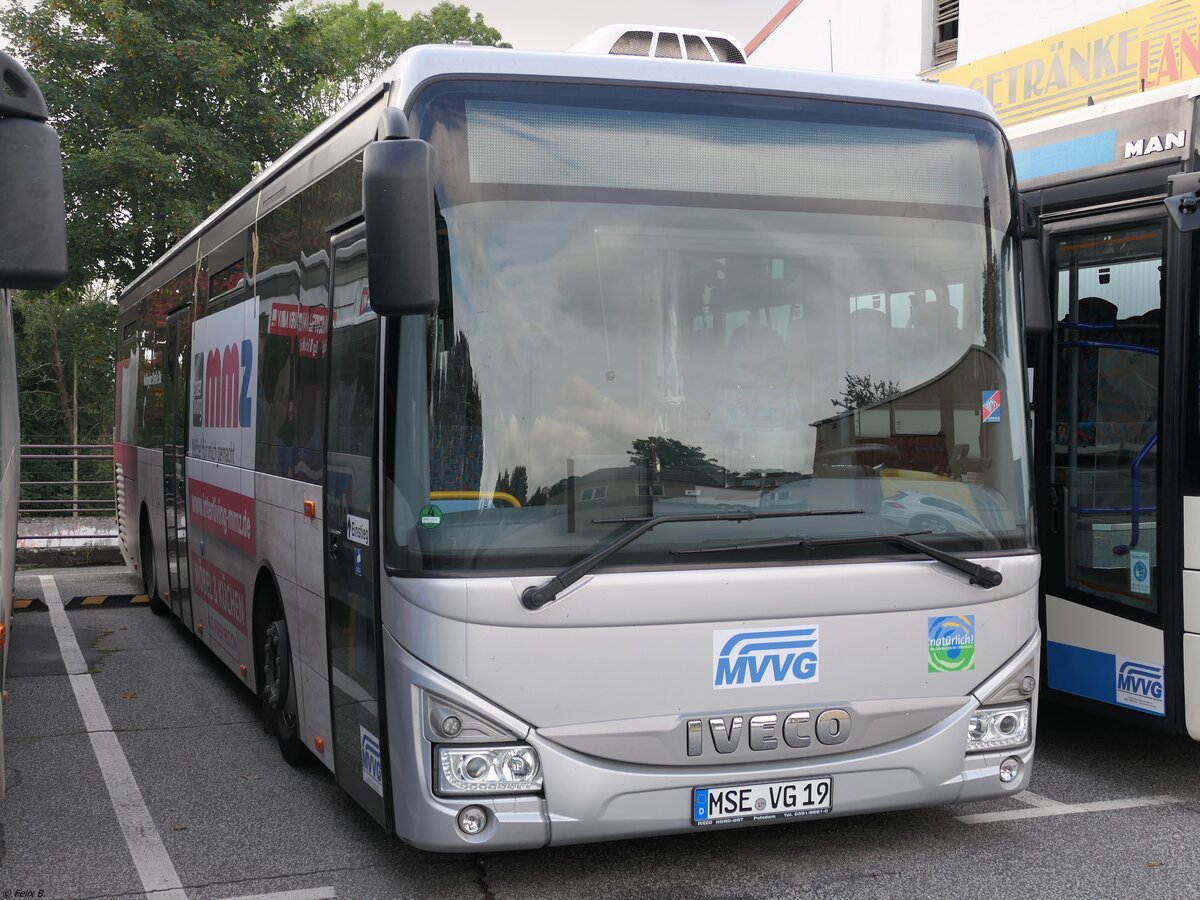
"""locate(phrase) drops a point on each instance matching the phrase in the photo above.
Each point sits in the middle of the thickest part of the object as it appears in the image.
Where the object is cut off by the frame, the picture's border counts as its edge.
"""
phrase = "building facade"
(1028, 57)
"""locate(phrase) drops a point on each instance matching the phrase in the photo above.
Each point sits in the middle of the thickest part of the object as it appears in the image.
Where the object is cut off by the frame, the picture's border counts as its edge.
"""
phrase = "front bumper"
(589, 799)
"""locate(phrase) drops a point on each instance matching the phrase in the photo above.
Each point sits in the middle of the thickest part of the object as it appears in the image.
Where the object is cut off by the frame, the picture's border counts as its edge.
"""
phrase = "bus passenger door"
(1104, 554)
(175, 426)
(351, 536)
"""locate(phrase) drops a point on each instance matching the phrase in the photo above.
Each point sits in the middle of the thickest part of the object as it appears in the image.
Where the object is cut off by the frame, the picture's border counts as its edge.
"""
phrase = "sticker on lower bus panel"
(951, 643)
(1140, 685)
(372, 764)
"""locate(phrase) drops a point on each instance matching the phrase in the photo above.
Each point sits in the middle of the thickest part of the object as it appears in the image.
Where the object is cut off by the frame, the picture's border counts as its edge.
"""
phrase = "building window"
(945, 32)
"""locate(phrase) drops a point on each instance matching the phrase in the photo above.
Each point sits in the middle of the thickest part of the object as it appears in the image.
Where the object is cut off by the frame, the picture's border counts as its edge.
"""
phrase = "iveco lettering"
(580, 446)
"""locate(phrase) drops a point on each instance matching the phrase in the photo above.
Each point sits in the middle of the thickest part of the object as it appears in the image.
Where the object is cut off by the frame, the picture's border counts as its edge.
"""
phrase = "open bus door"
(1107, 488)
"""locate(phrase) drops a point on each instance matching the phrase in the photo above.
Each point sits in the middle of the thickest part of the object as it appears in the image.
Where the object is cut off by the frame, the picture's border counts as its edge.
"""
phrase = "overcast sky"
(556, 25)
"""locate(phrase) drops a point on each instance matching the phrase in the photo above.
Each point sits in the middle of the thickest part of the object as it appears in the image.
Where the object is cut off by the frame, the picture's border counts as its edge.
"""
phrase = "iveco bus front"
(745, 352)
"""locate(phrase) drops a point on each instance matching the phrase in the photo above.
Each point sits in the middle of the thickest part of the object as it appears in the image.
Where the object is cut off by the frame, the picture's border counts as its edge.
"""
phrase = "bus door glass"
(351, 541)
(175, 395)
(1107, 285)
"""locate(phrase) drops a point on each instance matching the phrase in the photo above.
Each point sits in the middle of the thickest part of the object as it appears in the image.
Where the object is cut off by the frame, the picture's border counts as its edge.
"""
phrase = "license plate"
(760, 802)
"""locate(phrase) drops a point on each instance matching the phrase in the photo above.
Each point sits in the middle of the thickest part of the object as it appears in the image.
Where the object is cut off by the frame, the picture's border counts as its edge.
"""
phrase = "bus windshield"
(672, 301)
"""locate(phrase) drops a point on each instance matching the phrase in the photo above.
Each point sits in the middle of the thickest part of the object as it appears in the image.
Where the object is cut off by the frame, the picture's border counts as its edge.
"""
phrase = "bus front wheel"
(276, 693)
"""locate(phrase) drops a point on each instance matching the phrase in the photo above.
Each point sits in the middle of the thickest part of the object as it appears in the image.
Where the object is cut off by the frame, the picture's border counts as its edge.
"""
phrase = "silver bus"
(1115, 399)
(578, 446)
(33, 254)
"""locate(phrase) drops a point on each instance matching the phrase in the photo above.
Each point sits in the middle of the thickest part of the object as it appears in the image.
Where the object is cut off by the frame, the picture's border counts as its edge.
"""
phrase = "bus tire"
(149, 572)
(277, 683)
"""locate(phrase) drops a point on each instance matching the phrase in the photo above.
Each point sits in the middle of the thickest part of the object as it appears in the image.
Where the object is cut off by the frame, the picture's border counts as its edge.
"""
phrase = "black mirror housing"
(398, 207)
(1034, 287)
(33, 235)
(1033, 283)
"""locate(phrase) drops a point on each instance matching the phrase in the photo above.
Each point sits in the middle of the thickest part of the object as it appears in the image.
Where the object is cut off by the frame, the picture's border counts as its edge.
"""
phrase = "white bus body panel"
(1088, 653)
(1191, 615)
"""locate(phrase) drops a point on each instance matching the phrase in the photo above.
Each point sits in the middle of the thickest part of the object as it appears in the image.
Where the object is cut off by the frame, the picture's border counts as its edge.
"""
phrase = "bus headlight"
(512, 769)
(998, 728)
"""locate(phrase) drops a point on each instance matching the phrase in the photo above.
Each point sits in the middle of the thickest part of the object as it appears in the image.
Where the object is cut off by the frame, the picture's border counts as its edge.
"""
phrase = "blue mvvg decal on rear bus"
(1140, 685)
(766, 657)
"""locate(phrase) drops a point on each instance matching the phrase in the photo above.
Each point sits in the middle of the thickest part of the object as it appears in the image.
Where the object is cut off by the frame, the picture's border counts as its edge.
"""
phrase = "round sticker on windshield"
(431, 516)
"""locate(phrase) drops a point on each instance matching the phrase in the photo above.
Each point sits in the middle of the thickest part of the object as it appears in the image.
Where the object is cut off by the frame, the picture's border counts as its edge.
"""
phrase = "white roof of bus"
(1106, 108)
(420, 64)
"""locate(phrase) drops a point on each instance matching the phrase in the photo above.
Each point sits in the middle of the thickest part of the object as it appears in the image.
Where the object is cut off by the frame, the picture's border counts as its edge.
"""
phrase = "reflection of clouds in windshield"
(579, 423)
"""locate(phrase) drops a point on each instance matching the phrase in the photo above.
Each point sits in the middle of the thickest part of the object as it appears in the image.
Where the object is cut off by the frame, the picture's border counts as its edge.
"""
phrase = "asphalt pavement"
(1112, 811)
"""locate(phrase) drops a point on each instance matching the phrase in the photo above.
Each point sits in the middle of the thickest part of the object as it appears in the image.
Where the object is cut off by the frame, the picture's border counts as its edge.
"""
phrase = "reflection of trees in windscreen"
(861, 391)
(515, 483)
(654, 455)
(456, 420)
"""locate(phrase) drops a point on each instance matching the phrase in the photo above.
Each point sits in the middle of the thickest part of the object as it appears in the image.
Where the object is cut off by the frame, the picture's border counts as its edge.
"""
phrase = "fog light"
(1010, 769)
(472, 819)
(451, 726)
(1028, 684)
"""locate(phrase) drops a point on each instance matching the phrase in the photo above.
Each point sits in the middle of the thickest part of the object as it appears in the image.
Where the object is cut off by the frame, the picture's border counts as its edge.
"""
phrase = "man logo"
(765, 658)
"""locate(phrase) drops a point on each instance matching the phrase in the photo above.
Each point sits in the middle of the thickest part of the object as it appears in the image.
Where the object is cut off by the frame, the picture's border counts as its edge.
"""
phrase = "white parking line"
(1038, 800)
(150, 857)
(1054, 808)
(325, 893)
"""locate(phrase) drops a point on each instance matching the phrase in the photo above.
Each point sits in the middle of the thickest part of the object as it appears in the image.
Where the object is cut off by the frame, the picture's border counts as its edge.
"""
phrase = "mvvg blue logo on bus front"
(1140, 685)
(766, 657)
(372, 765)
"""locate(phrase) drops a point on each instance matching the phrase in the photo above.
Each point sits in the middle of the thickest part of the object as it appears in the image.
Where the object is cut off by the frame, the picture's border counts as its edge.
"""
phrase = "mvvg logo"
(226, 375)
(372, 765)
(1140, 685)
(765, 658)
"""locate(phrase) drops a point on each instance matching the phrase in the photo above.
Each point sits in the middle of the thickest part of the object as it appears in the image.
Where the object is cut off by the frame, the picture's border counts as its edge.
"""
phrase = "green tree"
(358, 44)
(163, 110)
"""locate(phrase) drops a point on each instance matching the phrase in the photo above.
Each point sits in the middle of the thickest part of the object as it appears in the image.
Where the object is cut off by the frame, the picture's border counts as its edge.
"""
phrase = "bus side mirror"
(1183, 204)
(33, 234)
(1038, 320)
(1033, 283)
(401, 230)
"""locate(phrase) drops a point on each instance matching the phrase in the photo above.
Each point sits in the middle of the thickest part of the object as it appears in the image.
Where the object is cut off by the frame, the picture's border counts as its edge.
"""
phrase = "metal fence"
(62, 482)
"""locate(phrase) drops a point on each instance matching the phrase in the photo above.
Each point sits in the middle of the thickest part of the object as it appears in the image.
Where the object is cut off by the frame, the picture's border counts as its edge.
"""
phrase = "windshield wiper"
(537, 597)
(979, 575)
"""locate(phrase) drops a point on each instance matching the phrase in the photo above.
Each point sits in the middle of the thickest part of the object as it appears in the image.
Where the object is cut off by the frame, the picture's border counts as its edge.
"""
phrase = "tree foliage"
(164, 110)
(358, 44)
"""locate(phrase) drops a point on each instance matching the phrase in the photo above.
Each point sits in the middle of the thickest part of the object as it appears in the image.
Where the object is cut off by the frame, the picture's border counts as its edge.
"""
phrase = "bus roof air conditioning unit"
(663, 43)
